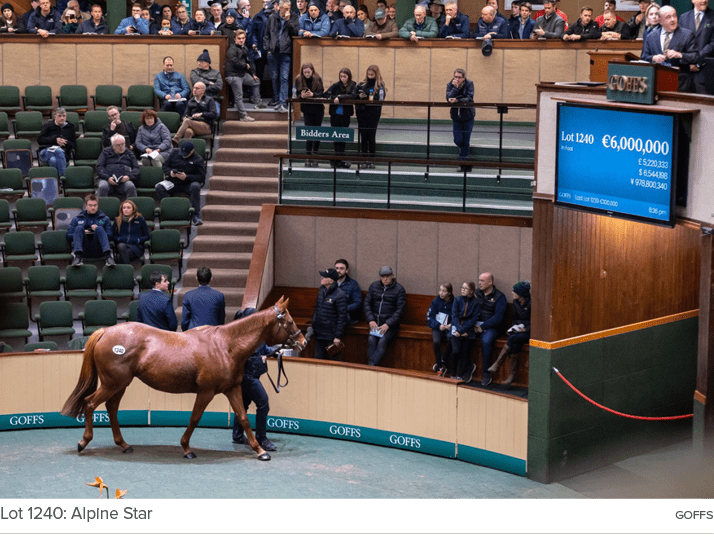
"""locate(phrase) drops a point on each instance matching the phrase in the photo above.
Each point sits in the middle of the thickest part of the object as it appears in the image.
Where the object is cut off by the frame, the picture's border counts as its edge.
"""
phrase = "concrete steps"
(245, 198)
(245, 168)
(221, 184)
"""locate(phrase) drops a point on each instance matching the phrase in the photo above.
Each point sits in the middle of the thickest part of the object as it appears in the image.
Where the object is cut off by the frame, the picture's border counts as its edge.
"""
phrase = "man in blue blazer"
(700, 21)
(673, 46)
(203, 306)
(155, 307)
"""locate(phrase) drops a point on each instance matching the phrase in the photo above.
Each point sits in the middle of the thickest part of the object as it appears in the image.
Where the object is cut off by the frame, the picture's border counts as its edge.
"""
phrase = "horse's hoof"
(128, 450)
(265, 457)
(80, 448)
(189, 455)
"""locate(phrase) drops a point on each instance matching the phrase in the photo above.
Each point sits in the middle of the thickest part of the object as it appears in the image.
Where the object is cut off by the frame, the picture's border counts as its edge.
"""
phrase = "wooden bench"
(411, 350)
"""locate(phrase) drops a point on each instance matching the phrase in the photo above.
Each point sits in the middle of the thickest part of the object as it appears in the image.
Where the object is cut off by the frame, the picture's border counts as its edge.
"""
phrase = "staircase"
(245, 175)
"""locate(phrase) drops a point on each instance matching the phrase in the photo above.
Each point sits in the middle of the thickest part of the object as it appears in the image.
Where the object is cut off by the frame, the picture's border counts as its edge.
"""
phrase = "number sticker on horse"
(118, 350)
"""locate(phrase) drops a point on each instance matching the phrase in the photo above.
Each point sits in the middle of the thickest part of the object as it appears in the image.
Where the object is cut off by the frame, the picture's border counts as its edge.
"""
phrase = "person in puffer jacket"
(152, 136)
(314, 23)
(438, 318)
(329, 318)
(383, 308)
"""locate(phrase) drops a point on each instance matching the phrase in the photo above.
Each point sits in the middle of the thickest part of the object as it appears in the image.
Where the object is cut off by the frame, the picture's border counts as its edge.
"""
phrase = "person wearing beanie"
(329, 318)
(314, 23)
(229, 27)
(211, 77)
(10, 22)
(519, 333)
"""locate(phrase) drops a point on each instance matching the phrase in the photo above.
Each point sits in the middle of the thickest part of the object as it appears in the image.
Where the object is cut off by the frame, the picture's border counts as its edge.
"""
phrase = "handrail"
(490, 164)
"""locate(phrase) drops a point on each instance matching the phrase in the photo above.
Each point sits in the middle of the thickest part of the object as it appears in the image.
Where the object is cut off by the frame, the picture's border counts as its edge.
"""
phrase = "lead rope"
(281, 371)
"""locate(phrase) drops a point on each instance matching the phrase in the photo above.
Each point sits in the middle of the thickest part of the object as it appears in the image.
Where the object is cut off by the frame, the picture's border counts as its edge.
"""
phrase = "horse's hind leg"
(112, 408)
(203, 398)
(235, 397)
(91, 403)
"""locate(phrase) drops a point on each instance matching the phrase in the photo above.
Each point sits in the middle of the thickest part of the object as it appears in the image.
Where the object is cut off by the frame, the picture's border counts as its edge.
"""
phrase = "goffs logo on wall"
(345, 431)
(27, 420)
(98, 418)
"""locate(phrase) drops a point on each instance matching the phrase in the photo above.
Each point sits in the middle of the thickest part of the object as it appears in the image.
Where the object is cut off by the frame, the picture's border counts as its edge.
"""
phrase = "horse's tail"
(88, 379)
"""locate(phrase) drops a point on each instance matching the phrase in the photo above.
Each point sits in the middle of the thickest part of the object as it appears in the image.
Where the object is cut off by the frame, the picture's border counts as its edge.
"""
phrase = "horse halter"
(292, 337)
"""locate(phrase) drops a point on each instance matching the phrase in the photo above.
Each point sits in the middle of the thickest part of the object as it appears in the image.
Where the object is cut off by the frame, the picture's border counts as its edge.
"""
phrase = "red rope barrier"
(617, 412)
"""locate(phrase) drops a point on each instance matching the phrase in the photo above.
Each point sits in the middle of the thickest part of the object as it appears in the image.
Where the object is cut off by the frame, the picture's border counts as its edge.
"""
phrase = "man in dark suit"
(155, 307)
(203, 306)
(700, 21)
(673, 46)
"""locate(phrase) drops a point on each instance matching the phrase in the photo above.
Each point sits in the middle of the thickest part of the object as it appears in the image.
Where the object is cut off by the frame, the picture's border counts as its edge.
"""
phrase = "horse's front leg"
(112, 408)
(235, 397)
(203, 398)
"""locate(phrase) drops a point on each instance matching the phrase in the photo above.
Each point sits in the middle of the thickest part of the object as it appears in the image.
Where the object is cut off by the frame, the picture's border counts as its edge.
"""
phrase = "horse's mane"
(257, 320)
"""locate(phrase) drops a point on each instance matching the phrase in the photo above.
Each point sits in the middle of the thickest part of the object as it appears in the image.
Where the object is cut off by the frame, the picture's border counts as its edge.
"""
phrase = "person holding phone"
(309, 86)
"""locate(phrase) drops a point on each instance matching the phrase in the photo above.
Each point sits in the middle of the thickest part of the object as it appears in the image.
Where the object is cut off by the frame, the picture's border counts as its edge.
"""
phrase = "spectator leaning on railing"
(134, 24)
(45, 20)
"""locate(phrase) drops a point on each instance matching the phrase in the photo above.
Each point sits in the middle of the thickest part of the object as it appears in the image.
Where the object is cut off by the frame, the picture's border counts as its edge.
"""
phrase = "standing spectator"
(199, 116)
(167, 13)
(129, 232)
(584, 28)
(456, 24)
(438, 318)
(11, 23)
(117, 126)
(340, 114)
(210, 77)
(461, 90)
(117, 168)
(561, 14)
(240, 71)
(182, 23)
(609, 5)
(229, 27)
(329, 318)
(383, 309)
(464, 316)
(45, 20)
(613, 29)
(392, 12)
(419, 27)
(383, 27)
(519, 333)
(373, 89)
(309, 86)
(301, 6)
(638, 23)
(494, 4)
(363, 15)
(349, 25)
(153, 137)
(314, 23)
(652, 16)
(260, 23)
(492, 308)
(700, 21)
(96, 24)
(89, 233)
(146, 15)
(550, 25)
(524, 25)
(203, 306)
(57, 141)
(171, 88)
(155, 10)
(489, 26)
(282, 27)
(134, 24)
(185, 172)
(156, 306)
(436, 12)
(25, 18)
(332, 8)
(351, 290)
(244, 21)
(199, 25)
(218, 18)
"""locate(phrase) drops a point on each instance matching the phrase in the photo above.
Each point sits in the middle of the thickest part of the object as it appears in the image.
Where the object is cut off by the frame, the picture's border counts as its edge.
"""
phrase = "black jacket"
(522, 313)
(107, 134)
(110, 163)
(337, 90)
(206, 107)
(330, 316)
(50, 132)
(370, 112)
(385, 305)
(276, 41)
(463, 93)
(238, 61)
(591, 31)
(193, 167)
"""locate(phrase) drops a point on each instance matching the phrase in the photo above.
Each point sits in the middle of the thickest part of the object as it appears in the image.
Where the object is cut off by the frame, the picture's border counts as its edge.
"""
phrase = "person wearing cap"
(199, 115)
(96, 24)
(253, 391)
(210, 77)
(186, 171)
(239, 72)
(203, 306)
(419, 27)
(519, 332)
(492, 309)
(489, 26)
(329, 318)
(383, 308)
(314, 23)
(461, 90)
(349, 25)
(10, 22)
(550, 25)
(456, 24)
(117, 169)
(383, 27)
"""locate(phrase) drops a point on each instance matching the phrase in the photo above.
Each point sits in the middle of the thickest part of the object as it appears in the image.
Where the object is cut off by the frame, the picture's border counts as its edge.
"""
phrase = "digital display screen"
(617, 162)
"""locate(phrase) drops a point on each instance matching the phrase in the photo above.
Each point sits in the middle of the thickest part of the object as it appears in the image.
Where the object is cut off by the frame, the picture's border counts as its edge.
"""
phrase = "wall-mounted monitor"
(624, 163)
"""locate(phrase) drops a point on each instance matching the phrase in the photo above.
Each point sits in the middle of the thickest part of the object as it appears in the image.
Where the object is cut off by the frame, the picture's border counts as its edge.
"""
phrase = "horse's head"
(288, 331)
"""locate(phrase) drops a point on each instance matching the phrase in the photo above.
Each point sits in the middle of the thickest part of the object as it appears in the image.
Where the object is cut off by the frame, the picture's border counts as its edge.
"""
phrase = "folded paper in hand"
(153, 155)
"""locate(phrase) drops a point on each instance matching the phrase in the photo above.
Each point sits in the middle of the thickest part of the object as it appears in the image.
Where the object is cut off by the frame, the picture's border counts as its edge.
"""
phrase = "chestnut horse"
(207, 360)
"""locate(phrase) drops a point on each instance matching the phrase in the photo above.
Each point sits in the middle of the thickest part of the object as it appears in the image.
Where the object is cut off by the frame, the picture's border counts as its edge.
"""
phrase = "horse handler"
(253, 391)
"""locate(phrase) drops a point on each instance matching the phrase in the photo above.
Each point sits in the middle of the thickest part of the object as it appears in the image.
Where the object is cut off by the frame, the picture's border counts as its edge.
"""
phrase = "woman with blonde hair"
(70, 21)
(373, 89)
(130, 233)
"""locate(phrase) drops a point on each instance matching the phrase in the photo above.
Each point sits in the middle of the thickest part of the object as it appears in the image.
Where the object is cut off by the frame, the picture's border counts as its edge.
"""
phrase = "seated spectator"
(519, 333)
(301, 6)
(550, 25)
(363, 15)
(199, 116)
(492, 308)
(185, 171)
(218, 18)
(436, 12)
(155, 10)
(153, 137)
(156, 307)
(57, 141)
(210, 77)
(350, 287)
(314, 23)
(584, 28)
(89, 233)
(610, 5)
(515, 13)
(146, 15)
(489, 26)
(81, 15)
(117, 126)
(229, 27)
(349, 25)
(199, 25)
(167, 13)
(638, 23)
(419, 27)
(524, 25)
(438, 318)
(329, 318)
(10, 23)
(96, 23)
(45, 20)
(25, 18)
(332, 9)
(240, 71)
(182, 23)
(133, 25)
(130, 232)
(383, 308)
(165, 27)
(171, 88)
(613, 29)
(558, 12)
(456, 24)
(652, 17)
(117, 168)
(70, 21)
(392, 12)
(464, 316)
(382, 27)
